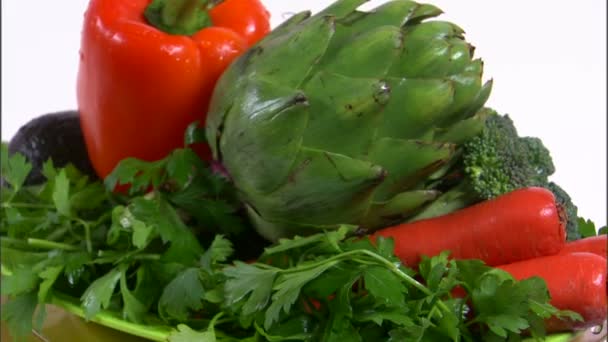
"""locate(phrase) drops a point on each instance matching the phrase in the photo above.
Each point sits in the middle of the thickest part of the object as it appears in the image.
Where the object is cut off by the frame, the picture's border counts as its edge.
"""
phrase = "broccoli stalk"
(495, 162)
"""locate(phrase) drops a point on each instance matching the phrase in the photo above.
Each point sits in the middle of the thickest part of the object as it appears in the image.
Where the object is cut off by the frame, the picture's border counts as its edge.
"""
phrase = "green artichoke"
(346, 117)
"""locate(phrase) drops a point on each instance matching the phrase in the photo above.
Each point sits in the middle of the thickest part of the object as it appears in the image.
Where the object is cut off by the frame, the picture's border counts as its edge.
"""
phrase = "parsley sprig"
(350, 287)
(167, 253)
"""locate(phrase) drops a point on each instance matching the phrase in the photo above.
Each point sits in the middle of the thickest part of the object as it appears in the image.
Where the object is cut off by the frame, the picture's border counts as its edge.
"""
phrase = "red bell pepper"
(148, 69)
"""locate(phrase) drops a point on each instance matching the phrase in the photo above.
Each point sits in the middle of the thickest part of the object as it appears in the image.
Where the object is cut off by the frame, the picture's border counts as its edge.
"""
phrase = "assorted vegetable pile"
(357, 188)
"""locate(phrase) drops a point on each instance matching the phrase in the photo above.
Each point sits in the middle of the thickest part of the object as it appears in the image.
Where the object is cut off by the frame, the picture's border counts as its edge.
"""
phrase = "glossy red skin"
(139, 88)
(576, 281)
(253, 26)
(595, 244)
(520, 225)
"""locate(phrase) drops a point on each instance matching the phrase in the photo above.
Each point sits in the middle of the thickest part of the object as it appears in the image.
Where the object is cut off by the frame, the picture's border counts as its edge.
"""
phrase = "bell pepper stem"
(183, 17)
(181, 12)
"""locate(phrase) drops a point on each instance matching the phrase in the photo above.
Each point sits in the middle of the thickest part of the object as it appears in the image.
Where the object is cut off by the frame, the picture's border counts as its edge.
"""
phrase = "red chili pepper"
(523, 224)
(148, 69)
(576, 281)
(595, 244)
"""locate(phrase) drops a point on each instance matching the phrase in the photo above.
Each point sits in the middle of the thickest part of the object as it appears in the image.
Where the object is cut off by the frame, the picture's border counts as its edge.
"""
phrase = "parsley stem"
(152, 257)
(114, 258)
(57, 233)
(87, 234)
(391, 266)
(107, 260)
(432, 312)
(314, 265)
(150, 332)
(223, 321)
(7, 241)
(373, 255)
(45, 244)
(27, 205)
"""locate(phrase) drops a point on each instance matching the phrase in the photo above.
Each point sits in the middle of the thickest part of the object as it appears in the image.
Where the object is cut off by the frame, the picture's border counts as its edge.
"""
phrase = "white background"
(547, 58)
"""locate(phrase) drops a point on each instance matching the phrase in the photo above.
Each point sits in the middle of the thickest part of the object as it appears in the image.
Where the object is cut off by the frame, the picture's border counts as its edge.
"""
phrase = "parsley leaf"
(260, 296)
(49, 277)
(89, 197)
(18, 313)
(21, 280)
(158, 213)
(205, 198)
(396, 314)
(288, 287)
(15, 168)
(183, 295)
(587, 228)
(384, 285)
(330, 237)
(329, 282)
(182, 166)
(133, 310)
(61, 194)
(386, 247)
(219, 251)
(186, 334)
(340, 329)
(138, 174)
(503, 304)
(240, 277)
(433, 270)
(142, 234)
(195, 133)
(99, 293)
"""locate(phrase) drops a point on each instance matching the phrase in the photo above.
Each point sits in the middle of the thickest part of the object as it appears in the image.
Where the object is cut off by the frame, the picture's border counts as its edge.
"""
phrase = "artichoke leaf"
(262, 135)
(291, 24)
(415, 106)
(459, 56)
(340, 9)
(419, 160)
(323, 188)
(482, 97)
(423, 12)
(431, 54)
(227, 87)
(344, 113)
(368, 55)
(462, 131)
(393, 13)
(289, 58)
(467, 90)
(397, 209)
(277, 229)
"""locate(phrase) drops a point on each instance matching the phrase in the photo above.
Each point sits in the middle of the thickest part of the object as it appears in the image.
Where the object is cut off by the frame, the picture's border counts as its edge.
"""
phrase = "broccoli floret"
(493, 163)
(569, 209)
(498, 160)
(540, 157)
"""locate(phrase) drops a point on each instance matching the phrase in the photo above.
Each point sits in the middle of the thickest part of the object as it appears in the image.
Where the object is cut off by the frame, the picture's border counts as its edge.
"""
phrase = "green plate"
(65, 323)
